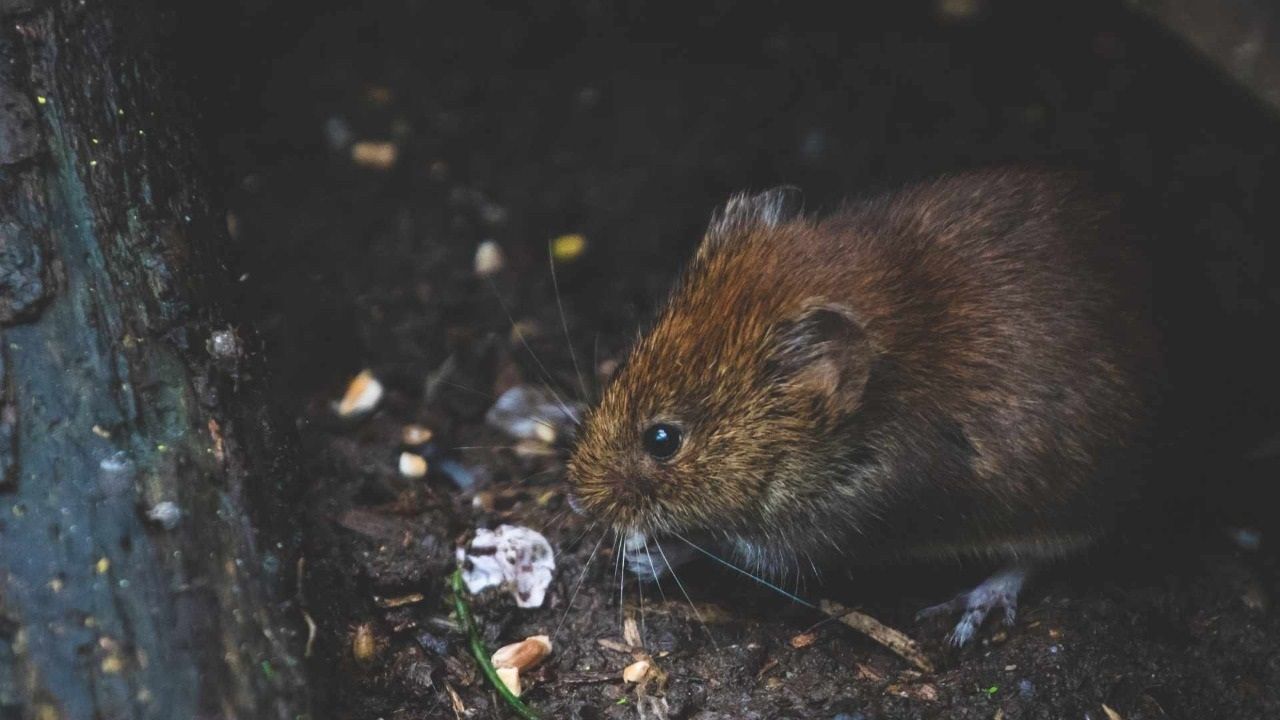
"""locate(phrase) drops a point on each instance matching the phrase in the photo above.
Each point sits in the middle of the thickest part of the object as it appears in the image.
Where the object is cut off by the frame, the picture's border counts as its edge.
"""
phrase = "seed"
(523, 655)
(363, 643)
(636, 671)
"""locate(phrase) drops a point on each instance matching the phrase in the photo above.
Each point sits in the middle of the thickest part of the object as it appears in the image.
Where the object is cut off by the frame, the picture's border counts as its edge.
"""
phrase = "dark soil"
(628, 124)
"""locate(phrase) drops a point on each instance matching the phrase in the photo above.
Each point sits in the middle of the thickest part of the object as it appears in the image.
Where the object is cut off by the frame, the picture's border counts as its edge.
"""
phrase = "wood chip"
(523, 655)
(631, 631)
(459, 707)
(894, 640)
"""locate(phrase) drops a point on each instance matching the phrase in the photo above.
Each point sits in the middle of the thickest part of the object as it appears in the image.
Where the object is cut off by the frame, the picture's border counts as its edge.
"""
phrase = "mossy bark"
(147, 557)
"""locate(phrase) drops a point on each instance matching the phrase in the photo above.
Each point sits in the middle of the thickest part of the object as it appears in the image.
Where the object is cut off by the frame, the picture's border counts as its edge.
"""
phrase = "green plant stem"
(481, 654)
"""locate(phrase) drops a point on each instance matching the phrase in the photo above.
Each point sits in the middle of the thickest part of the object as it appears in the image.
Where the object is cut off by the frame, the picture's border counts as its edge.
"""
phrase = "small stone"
(412, 465)
(166, 513)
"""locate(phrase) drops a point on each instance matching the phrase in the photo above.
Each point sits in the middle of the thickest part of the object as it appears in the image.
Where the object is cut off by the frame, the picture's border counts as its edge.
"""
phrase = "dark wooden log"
(147, 554)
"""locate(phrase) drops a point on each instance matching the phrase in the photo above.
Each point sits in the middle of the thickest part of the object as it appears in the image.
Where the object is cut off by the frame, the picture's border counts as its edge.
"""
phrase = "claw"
(999, 590)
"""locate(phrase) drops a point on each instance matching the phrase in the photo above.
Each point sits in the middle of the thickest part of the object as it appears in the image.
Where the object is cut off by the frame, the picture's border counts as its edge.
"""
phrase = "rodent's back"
(1012, 308)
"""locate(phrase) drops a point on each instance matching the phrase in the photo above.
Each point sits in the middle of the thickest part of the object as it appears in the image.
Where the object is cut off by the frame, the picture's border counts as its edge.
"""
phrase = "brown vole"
(962, 368)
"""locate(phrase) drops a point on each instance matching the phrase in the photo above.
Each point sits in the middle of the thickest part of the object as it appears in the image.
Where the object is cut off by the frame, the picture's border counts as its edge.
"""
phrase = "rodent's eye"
(662, 441)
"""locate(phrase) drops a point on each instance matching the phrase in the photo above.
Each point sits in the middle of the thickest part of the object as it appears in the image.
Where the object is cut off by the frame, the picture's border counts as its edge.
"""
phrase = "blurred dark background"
(629, 121)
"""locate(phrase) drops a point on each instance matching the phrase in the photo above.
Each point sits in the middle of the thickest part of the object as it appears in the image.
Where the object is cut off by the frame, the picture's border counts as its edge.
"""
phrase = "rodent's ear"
(825, 350)
(746, 211)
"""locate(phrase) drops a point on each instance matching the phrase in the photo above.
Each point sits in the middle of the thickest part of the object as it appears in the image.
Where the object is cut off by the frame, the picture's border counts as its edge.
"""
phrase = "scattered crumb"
(412, 465)
(489, 259)
(375, 154)
(362, 395)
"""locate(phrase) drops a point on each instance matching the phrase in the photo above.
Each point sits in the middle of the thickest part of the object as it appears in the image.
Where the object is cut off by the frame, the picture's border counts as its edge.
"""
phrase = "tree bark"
(147, 554)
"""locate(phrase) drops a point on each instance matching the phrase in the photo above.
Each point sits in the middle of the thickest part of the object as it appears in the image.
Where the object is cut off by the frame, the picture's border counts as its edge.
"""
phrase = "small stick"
(481, 654)
(894, 640)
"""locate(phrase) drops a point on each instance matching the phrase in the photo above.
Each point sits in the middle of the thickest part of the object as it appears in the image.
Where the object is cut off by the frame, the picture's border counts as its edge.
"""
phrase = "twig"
(481, 654)
(894, 640)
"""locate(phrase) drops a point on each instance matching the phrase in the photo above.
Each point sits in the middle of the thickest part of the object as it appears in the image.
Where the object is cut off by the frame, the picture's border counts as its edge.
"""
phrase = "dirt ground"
(627, 125)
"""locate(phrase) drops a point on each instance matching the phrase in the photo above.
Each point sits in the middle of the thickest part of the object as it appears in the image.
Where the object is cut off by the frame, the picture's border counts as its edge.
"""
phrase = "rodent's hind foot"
(998, 591)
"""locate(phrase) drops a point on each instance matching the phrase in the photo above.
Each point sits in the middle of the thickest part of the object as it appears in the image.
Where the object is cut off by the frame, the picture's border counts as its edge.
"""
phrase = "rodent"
(965, 367)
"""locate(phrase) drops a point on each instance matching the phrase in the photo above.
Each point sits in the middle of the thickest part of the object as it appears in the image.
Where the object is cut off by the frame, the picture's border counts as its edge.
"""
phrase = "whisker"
(564, 324)
(527, 478)
(489, 396)
(550, 451)
(595, 363)
(640, 592)
(622, 581)
(735, 568)
(583, 534)
(557, 518)
(546, 374)
(582, 576)
(654, 565)
(693, 607)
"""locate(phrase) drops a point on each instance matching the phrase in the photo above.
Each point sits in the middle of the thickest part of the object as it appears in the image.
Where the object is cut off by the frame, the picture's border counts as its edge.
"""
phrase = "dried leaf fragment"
(803, 640)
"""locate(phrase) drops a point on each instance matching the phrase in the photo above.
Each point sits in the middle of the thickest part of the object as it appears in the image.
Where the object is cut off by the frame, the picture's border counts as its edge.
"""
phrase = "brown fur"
(961, 367)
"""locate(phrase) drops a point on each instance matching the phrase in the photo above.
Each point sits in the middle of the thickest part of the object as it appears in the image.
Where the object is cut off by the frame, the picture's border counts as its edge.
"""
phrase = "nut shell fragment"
(363, 393)
(416, 435)
(511, 678)
(523, 655)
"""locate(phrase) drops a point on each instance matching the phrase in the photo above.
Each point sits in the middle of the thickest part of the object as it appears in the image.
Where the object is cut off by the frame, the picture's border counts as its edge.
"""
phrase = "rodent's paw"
(650, 559)
(999, 590)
